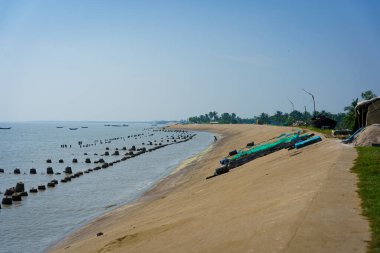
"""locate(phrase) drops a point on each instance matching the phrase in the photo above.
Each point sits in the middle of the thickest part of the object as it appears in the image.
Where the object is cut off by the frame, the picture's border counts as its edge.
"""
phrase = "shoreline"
(242, 210)
(154, 192)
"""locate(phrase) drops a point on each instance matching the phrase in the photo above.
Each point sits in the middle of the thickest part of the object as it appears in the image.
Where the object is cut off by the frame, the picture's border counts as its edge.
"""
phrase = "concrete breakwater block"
(78, 174)
(9, 191)
(20, 187)
(33, 190)
(68, 170)
(49, 171)
(7, 201)
(16, 197)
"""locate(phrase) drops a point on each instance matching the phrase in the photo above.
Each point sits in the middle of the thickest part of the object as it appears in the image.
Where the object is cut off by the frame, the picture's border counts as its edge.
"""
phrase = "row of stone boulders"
(50, 170)
(75, 160)
(15, 193)
(133, 147)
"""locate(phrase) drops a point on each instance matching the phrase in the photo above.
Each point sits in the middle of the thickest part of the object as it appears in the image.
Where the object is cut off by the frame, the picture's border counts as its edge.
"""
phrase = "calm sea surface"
(43, 218)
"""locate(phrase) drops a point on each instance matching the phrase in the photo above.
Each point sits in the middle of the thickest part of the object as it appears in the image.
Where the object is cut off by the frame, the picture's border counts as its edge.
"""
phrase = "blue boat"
(307, 142)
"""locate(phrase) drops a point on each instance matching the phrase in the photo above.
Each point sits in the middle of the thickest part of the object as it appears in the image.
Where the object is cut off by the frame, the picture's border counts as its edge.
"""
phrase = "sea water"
(43, 218)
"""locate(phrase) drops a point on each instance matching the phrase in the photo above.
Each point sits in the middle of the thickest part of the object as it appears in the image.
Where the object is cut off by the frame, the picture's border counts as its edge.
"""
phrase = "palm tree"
(213, 115)
(352, 106)
(367, 95)
(349, 120)
(263, 118)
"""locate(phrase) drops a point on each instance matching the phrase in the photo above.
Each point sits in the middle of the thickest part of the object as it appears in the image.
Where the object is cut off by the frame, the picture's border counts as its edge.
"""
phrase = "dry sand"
(368, 136)
(290, 201)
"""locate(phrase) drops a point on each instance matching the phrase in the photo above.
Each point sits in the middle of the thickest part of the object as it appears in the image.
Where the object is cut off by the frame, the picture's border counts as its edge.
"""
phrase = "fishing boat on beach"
(251, 152)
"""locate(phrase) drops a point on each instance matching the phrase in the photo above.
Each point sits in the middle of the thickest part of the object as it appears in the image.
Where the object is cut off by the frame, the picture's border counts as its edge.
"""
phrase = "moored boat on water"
(5, 128)
(73, 128)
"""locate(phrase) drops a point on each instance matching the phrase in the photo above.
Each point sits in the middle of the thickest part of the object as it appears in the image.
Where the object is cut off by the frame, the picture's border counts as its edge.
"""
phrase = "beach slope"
(289, 201)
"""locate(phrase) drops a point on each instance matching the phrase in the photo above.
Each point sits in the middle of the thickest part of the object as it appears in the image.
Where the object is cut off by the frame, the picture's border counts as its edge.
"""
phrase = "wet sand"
(289, 201)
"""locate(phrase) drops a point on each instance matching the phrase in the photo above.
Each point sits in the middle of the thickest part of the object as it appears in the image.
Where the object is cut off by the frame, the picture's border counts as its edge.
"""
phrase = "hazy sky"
(147, 60)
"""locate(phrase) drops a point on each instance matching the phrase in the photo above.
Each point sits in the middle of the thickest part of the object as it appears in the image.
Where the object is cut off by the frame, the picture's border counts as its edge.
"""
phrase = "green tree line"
(345, 119)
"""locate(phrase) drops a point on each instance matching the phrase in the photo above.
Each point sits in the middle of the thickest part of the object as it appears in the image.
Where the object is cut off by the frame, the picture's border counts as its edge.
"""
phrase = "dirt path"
(289, 201)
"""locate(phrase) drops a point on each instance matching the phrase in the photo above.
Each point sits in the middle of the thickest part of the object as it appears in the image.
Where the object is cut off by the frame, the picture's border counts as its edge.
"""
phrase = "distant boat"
(73, 128)
(59, 127)
(5, 128)
(125, 125)
(84, 127)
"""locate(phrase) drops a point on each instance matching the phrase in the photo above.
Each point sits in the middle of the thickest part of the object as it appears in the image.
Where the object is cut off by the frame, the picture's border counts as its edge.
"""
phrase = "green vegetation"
(345, 120)
(322, 131)
(224, 118)
(368, 169)
(279, 118)
(349, 119)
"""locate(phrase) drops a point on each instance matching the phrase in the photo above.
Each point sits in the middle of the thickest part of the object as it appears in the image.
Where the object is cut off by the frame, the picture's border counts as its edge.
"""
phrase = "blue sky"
(147, 60)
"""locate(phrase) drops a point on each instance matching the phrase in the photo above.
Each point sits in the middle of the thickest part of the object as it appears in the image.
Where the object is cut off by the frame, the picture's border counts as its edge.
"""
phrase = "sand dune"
(290, 201)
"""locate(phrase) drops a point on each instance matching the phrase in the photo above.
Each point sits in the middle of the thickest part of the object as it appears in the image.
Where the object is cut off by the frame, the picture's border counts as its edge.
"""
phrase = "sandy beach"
(289, 201)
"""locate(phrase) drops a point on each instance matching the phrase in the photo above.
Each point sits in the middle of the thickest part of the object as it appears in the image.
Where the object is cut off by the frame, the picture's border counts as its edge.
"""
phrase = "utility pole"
(312, 96)
(292, 104)
(304, 115)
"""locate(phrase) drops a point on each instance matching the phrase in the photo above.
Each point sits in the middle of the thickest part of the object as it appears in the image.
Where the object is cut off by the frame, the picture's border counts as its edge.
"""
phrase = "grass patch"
(367, 167)
(322, 131)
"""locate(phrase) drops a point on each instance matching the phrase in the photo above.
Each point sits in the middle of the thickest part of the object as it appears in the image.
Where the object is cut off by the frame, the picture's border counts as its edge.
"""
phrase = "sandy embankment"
(289, 201)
